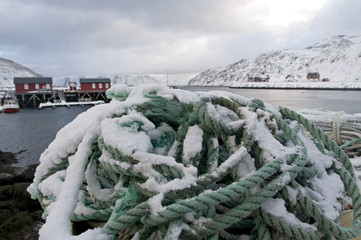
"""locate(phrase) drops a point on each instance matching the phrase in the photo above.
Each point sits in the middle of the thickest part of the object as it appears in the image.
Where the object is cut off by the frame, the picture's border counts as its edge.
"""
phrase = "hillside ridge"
(336, 59)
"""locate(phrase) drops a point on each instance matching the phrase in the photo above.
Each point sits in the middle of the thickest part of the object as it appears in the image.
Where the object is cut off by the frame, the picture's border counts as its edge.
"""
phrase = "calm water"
(32, 130)
(331, 100)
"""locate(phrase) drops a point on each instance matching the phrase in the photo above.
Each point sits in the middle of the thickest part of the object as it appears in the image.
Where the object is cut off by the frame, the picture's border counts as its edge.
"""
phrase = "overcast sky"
(89, 37)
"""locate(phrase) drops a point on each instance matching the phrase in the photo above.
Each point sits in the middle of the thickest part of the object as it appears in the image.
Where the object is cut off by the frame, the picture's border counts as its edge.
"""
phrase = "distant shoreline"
(341, 86)
(300, 88)
(275, 88)
(337, 86)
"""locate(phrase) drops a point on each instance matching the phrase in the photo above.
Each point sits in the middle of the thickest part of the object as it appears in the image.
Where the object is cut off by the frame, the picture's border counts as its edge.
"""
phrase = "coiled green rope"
(344, 129)
(159, 163)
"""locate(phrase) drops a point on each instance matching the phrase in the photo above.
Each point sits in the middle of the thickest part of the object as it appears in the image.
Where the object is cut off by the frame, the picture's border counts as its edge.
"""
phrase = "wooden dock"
(35, 98)
(68, 104)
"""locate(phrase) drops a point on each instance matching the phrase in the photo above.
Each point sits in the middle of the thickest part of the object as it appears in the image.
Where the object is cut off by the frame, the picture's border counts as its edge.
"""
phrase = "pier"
(35, 98)
(33, 91)
(68, 104)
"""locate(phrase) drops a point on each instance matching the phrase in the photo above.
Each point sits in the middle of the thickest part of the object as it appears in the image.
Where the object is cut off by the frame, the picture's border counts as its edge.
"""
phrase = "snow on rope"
(344, 129)
(159, 163)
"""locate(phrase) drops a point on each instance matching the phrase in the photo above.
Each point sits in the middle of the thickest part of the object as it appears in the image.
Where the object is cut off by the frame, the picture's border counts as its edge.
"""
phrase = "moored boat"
(10, 106)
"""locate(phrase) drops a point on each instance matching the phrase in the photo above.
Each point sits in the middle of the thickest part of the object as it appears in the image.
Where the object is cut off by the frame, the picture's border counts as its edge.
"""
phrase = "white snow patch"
(271, 147)
(157, 183)
(127, 139)
(192, 144)
(276, 207)
(327, 191)
(52, 185)
(292, 194)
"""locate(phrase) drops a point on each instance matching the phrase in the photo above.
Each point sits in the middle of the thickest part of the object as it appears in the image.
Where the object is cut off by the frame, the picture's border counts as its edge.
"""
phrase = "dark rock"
(7, 158)
(6, 178)
(25, 174)
(20, 196)
(5, 192)
(20, 216)
(21, 226)
(6, 161)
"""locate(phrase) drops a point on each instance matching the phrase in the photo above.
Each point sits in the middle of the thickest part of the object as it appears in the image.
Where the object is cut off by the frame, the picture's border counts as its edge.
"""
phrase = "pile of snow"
(338, 59)
(119, 125)
(10, 69)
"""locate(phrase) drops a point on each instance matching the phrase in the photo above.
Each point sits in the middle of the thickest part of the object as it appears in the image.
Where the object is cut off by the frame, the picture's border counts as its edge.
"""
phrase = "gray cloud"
(140, 36)
(339, 17)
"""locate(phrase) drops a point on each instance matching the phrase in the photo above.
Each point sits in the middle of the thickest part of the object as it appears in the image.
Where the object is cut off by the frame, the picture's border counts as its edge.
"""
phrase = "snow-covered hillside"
(337, 58)
(133, 79)
(128, 79)
(174, 79)
(10, 69)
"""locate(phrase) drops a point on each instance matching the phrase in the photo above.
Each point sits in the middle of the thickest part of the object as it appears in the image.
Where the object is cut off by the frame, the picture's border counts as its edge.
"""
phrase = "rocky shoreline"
(20, 216)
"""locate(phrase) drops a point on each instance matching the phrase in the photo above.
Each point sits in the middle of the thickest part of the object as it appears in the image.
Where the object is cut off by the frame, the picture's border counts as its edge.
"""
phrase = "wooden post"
(23, 103)
(34, 100)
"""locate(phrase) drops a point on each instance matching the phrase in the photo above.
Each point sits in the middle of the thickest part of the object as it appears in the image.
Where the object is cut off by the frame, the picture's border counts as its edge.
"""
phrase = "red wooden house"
(94, 84)
(29, 84)
(313, 76)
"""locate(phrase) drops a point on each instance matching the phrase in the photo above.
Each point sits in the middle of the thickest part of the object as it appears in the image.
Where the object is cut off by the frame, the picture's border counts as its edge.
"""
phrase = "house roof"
(313, 74)
(23, 80)
(94, 80)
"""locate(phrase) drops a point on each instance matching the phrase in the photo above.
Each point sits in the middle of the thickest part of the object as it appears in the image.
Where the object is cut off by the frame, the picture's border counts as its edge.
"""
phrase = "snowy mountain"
(174, 79)
(338, 59)
(128, 79)
(10, 69)
(134, 79)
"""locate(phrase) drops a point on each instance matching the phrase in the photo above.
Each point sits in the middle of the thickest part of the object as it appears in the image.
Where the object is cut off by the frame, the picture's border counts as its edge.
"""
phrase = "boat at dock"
(10, 106)
(9, 102)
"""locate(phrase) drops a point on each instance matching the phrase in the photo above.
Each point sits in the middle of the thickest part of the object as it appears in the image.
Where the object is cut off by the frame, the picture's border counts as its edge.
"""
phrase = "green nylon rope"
(221, 203)
(344, 129)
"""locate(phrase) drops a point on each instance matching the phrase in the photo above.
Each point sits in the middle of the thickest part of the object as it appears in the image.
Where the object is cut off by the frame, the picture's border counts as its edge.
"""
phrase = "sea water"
(30, 131)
